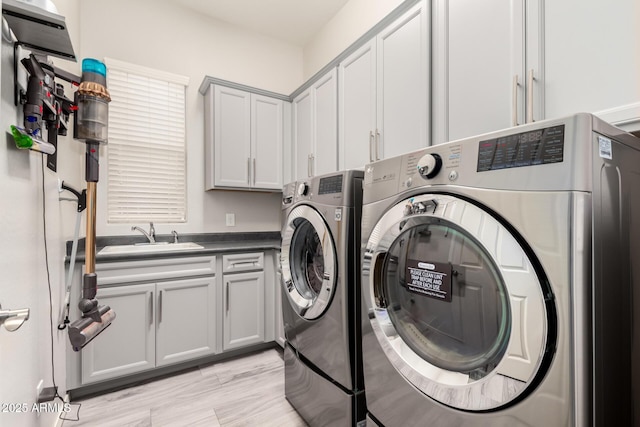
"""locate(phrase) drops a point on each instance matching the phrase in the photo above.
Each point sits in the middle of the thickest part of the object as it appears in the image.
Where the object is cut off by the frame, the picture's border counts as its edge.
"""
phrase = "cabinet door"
(403, 84)
(357, 98)
(266, 142)
(232, 137)
(278, 309)
(126, 346)
(591, 56)
(303, 133)
(325, 124)
(185, 320)
(244, 309)
(478, 68)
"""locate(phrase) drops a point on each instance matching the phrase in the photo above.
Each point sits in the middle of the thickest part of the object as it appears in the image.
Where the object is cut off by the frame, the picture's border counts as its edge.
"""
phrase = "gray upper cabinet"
(315, 117)
(499, 64)
(357, 100)
(266, 142)
(479, 69)
(591, 56)
(384, 90)
(302, 110)
(244, 139)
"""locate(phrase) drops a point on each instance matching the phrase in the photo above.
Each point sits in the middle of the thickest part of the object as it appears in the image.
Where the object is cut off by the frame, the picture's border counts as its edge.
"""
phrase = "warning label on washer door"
(431, 279)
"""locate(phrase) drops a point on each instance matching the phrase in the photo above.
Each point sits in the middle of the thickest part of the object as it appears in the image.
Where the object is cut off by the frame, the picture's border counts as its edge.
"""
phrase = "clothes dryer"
(321, 298)
(501, 279)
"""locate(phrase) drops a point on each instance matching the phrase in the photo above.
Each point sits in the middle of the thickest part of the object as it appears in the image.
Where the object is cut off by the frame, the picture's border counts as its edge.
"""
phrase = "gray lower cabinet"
(185, 321)
(156, 324)
(244, 309)
(165, 314)
(175, 310)
(244, 300)
(128, 345)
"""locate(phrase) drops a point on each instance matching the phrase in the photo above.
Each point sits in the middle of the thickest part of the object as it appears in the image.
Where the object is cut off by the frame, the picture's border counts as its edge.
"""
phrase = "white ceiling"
(293, 21)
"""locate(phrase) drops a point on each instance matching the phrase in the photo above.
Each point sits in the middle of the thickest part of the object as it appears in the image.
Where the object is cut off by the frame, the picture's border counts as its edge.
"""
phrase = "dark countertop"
(213, 243)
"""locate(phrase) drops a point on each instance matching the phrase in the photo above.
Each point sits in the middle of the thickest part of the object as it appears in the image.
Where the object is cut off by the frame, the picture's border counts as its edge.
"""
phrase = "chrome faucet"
(151, 235)
(175, 236)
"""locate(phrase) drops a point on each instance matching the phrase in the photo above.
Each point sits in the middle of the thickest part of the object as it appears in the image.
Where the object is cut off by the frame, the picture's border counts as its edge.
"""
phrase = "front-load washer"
(500, 280)
(321, 298)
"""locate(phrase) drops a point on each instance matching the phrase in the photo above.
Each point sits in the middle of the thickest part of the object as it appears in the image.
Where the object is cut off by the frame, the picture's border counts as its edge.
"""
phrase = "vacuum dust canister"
(92, 99)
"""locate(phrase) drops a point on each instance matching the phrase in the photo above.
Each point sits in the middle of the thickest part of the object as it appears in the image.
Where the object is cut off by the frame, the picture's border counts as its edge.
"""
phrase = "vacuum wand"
(90, 126)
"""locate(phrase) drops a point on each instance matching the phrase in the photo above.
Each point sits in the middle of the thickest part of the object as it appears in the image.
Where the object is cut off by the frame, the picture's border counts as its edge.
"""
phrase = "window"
(146, 158)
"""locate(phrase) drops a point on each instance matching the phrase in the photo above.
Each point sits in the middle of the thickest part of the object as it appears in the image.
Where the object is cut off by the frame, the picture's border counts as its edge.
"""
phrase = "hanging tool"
(81, 200)
(92, 99)
(44, 102)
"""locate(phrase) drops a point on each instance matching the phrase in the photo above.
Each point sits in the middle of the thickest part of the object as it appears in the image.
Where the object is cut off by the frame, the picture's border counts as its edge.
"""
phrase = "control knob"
(429, 165)
(303, 189)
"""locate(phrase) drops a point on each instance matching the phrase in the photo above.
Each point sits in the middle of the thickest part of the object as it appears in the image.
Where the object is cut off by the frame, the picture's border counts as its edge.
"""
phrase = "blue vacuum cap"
(94, 66)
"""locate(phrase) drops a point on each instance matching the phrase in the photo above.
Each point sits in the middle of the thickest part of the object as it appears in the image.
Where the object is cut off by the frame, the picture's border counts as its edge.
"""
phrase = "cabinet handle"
(254, 171)
(377, 144)
(530, 98)
(309, 165)
(227, 298)
(514, 107)
(160, 307)
(151, 308)
(370, 146)
(313, 161)
(243, 263)
(248, 170)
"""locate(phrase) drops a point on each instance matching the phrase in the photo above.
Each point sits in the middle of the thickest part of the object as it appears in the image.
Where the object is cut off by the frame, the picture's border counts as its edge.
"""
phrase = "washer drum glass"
(453, 311)
(457, 305)
(308, 262)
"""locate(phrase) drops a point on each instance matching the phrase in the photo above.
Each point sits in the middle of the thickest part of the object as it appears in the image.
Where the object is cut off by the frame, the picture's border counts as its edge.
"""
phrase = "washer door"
(459, 308)
(308, 262)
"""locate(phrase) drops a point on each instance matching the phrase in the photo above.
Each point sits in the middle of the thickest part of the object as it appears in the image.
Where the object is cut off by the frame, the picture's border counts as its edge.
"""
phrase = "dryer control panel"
(544, 156)
(537, 147)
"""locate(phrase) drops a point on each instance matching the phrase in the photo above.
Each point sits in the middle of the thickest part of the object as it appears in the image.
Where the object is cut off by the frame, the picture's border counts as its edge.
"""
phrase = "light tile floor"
(246, 391)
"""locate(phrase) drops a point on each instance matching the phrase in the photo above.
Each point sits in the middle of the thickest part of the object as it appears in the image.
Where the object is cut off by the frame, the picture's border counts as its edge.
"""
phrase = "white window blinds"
(146, 159)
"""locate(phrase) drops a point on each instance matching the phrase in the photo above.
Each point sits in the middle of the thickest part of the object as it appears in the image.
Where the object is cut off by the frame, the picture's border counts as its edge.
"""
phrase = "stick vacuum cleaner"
(90, 126)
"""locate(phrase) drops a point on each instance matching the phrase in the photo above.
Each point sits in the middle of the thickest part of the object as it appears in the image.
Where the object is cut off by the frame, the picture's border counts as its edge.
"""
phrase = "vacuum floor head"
(83, 330)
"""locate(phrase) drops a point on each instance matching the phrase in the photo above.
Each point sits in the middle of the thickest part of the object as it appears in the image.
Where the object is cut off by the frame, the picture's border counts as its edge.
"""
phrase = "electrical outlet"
(231, 220)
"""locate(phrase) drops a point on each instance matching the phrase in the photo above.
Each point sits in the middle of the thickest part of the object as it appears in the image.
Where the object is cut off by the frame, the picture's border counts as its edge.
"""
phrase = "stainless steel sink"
(149, 248)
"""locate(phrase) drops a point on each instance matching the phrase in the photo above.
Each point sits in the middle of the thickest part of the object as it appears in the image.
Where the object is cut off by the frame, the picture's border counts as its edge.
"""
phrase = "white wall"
(25, 355)
(167, 37)
(354, 19)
